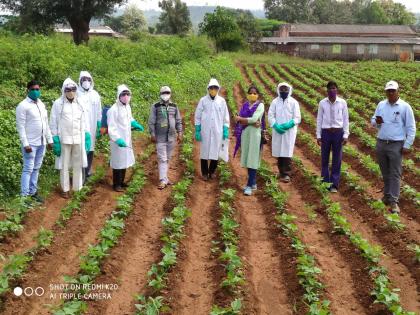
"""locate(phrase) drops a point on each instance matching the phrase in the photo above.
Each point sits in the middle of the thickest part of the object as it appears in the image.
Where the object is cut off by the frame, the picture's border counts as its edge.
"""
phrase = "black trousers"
(206, 169)
(118, 176)
(285, 166)
(88, 169)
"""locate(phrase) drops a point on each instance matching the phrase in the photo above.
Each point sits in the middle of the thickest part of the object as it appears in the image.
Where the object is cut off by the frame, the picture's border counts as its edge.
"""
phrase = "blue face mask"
(284, 95)
(34, 94)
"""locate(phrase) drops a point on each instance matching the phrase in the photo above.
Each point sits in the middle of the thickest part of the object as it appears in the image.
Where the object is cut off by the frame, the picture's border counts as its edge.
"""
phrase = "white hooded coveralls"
(212, 115)
(119, 119)
(69, 122)
(93, 106)
(281, 112)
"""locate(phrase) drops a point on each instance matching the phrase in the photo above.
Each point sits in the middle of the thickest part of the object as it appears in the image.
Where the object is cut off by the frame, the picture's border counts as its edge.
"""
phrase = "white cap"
(391, 85)
(213, 82)
(165, 89)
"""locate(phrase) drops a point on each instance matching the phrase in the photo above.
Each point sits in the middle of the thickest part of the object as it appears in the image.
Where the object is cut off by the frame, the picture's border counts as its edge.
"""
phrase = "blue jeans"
(31, 164)
(252, 177)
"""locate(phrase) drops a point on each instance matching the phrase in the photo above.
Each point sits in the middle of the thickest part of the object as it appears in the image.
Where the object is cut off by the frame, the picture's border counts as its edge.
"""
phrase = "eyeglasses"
(86, 79)
(125, 94)
(72, 89)
(213, 88)
(34, 89)
(165, 93)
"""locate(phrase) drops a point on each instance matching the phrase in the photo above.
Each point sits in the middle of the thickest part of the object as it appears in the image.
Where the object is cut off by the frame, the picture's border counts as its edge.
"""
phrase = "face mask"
(86, 85)
(332, 93)
(70, 95)
(125, 99)
(284, 95)
(165, 97)
(213, 93)
(252, 97)
(34, 94)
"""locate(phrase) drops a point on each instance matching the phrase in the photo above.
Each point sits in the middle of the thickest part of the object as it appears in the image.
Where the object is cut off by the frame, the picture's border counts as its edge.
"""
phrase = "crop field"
(202, 247)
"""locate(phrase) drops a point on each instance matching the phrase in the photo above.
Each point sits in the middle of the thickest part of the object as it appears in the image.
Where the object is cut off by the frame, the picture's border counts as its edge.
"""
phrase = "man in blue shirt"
(394, 119)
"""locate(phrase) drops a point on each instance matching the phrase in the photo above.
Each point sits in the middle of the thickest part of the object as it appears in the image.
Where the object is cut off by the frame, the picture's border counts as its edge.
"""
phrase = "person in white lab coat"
(211, 128)
(71, 136)
(91, 98)
(34, 133)
(120, 121)
(283, 117)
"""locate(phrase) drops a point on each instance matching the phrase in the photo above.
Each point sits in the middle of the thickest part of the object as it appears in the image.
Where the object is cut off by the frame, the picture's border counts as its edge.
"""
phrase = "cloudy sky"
(413, 5)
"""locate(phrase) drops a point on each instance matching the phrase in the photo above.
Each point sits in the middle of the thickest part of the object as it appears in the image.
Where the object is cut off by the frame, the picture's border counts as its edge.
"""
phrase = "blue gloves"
(56, 146)
(277, 127)
(136, 126)
(98, 129)
(88, 141)
(198, 132)
(225, 132)
(121, 143)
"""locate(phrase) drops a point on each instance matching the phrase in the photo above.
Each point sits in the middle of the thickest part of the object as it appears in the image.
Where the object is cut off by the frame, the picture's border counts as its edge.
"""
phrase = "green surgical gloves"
(88, 141)
(136, 126)
(56, 146)
(121, 143)
(198, 132)
(277, 127)
(98, 129)
(288, 125)
(225, 132)
(282, 128)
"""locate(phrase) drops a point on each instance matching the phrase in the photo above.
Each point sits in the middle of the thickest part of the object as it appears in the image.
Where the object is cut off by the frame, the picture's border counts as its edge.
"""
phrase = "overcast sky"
(412, 5)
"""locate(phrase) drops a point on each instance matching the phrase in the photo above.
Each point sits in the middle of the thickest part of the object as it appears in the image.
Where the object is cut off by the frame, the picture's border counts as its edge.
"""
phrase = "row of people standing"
(393, 118)
(76, 123)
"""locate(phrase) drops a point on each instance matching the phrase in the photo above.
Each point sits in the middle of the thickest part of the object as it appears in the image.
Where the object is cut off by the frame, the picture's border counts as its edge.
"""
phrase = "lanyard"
(164, 111)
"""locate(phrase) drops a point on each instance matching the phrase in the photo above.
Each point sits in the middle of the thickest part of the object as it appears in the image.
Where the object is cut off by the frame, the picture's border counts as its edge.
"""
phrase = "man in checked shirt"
(332, 132)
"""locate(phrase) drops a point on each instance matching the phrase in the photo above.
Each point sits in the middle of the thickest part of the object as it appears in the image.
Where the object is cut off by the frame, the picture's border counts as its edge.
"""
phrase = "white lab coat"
(93, 104)
(281, 112)
(56, 126)
(119, 119)
(212, 115)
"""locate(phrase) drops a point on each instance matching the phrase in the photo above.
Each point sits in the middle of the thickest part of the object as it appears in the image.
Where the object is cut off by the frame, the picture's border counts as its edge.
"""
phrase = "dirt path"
(192, 280)
(138, 248)
(63, 256)
(400, 275)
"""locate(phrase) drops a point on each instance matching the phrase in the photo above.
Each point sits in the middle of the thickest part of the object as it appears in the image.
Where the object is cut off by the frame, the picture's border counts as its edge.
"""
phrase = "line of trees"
(339, 11)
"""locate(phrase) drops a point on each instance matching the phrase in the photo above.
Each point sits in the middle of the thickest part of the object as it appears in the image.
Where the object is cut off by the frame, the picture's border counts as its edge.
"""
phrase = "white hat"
(213, 82)
(165, 89)
(391, 85)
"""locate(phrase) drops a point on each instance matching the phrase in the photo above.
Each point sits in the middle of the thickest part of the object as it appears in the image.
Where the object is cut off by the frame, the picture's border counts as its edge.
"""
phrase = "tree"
(175, 18)
(221, 26)
(114, 22)
(246, 22)
(374, 13)
(78, 13)
(397, 13)
(133, 19)
(292, 11)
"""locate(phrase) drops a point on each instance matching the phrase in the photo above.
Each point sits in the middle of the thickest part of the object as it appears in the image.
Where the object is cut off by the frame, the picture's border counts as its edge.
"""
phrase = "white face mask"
(165, 97)
(86, 85)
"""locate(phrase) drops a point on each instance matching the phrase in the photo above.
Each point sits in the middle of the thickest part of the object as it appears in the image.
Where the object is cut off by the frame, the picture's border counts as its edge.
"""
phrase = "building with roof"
(93, 31)
(345, 42)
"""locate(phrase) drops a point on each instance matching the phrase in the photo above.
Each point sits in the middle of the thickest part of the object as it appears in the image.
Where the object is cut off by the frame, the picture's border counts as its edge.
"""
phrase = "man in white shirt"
(332, 132)
(35, 134)
(396, 125)
(71, 136)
